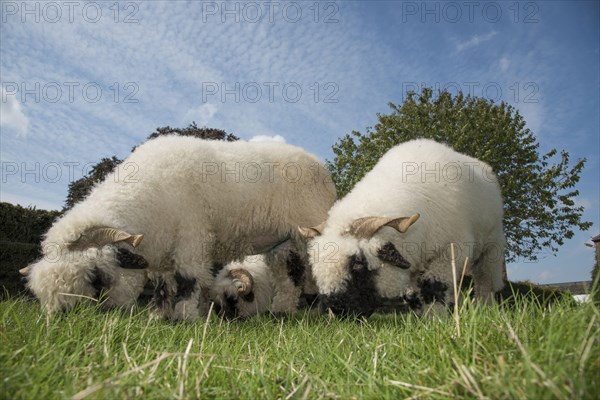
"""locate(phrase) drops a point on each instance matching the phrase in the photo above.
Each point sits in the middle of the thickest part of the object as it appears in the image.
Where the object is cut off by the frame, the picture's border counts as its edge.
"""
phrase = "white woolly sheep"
(195, 203)
(242, 289)
(369, 257)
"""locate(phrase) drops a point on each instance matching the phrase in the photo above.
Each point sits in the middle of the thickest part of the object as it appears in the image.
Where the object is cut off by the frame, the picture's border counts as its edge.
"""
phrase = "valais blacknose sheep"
(243, 288)
(175, 208)
(386, 245)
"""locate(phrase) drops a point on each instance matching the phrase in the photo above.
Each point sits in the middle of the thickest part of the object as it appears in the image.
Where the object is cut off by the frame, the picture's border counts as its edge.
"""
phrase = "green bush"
(21, 231)
(24, 225)
(13, 257)
(530, 292)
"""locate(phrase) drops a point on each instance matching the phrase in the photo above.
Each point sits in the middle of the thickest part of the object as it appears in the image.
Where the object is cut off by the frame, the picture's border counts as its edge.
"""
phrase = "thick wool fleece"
(196, 202)
(459, 201)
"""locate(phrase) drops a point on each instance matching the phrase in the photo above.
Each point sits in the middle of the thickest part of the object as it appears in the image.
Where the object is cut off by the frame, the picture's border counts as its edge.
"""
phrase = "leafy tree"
(193, 130)
(539, 207)
(81, 188)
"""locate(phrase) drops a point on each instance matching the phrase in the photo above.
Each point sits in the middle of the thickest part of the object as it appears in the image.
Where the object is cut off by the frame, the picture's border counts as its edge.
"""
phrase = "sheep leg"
(181, 287)
(165, 288)
(488, 275)
(288, 268)
(435, 288)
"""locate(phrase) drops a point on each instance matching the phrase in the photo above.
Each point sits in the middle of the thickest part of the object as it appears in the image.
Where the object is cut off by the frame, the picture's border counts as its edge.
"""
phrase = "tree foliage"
(193, 130)
(81, 188)
(538, 190)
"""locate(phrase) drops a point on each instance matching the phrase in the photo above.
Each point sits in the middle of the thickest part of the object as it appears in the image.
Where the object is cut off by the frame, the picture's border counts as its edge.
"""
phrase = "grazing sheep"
(194, 203)
(243, 289)
(386, 245)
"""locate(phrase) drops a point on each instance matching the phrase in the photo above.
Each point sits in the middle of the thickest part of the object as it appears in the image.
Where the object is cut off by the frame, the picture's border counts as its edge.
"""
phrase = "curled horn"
(103, 236)
(242, 280)
(312, 231)
(365, 228)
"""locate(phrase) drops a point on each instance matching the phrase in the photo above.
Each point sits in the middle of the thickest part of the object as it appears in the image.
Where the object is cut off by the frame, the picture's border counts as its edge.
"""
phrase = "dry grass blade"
(462, 275)
(586, 346)
(457, 287)
(112, 380)
(547, 382)
(417, 387)
(79, 295)
(206, 327)
(183, 374)
(293, 392)
(130, 361)
(470, 382)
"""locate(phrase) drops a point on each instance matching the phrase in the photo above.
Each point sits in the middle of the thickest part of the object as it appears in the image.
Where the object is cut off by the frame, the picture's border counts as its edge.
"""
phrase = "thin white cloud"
(583, 202)
(12, 115)
(533, 113)
(202, 115)
(475, 41)
(546, 276)
(504, 64)
(266, 138)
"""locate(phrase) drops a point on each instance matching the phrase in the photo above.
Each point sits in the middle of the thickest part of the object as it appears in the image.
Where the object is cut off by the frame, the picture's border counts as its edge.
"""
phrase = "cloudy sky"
(86, 80)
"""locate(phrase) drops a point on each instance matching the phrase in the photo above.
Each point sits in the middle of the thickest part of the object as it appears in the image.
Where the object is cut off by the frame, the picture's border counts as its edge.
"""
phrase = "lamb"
(246, 288)
(174, 208)
(242, 289)
(385, 247)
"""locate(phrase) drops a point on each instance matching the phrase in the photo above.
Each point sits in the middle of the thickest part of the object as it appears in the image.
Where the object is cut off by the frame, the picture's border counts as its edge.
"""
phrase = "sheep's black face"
(364, 284)
(226, 307)
(360, 296)
(118, 281)
(229, 305)
(129, 260)
(61, 282)
(100, 281)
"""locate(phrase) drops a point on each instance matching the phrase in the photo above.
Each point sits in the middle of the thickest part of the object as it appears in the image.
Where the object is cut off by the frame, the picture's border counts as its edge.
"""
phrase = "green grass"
(526, 352)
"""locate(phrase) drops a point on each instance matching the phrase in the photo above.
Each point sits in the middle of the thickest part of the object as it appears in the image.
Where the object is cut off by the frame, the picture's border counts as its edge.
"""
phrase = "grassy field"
(526, 353)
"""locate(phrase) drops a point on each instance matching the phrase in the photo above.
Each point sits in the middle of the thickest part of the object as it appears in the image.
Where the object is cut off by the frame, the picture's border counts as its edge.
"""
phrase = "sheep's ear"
(129, 260)
(365, 228)
(25, 271)
(389, 253)
(312, 231)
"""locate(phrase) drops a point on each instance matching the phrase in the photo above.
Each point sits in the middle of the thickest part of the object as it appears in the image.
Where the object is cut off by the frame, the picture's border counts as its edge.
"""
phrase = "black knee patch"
(229, 309)
(160, 292)
(308, 300)
(216, 268)
(433, 290)
(185, 287)
(100, 281)
(389, 254)
(295, 268)
(130, 260)
(413, 302)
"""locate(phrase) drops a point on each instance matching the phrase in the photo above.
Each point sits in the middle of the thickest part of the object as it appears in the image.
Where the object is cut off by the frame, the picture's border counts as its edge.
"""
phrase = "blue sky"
(86, 80)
